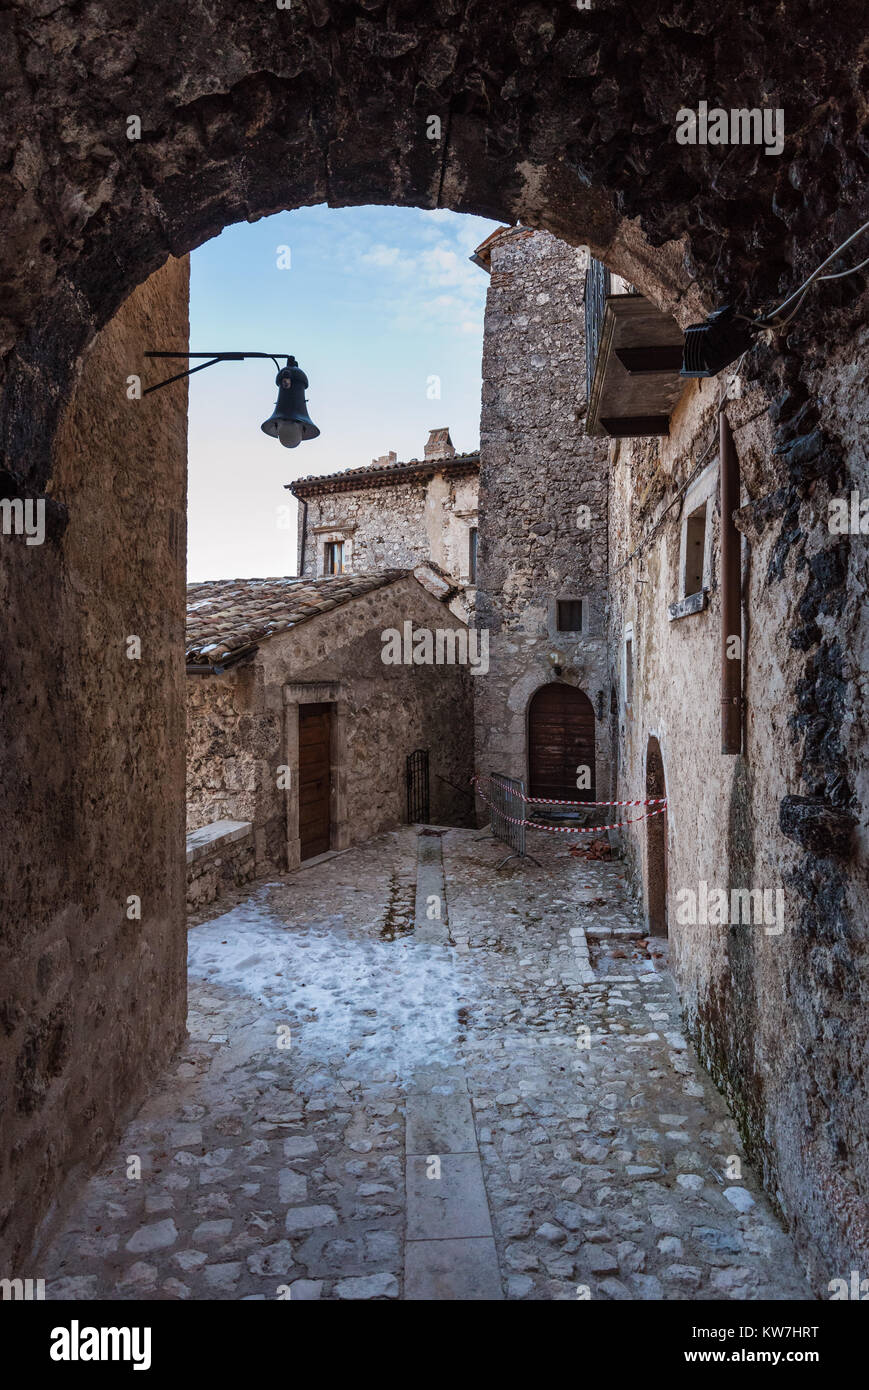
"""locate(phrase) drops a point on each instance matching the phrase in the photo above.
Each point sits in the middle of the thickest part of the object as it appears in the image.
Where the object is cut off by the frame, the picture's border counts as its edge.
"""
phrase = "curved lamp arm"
(212, 358)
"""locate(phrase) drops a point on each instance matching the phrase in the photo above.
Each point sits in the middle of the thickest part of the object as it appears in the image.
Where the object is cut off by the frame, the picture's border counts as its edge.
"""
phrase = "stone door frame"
(332, 693)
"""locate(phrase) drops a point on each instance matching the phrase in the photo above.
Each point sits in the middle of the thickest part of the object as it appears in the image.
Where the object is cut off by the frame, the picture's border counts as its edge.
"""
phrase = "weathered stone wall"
(221, 858)
(538, 468)
(233, 750)
(779, 1018)
(93, 1001)
(383, 528)
(240, 726)
(398, 526)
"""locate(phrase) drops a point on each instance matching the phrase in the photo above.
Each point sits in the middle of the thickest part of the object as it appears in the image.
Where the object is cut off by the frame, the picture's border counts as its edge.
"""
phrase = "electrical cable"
(839, 274)
(769, 319)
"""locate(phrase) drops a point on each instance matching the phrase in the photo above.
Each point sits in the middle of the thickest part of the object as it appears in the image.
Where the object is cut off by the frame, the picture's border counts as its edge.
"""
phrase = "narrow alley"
(412, 1075)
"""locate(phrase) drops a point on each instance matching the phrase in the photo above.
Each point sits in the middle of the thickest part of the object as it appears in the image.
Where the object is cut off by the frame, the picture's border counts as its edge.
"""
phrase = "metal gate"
(416, 777)
(507, 813)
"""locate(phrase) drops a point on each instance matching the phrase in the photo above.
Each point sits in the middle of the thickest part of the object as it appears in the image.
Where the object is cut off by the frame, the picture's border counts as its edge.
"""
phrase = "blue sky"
(376, 302)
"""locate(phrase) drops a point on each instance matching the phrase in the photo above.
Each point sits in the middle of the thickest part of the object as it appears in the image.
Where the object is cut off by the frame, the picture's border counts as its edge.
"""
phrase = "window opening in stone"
(695, 551)
(334, 557)
(570, 615)
(629, 670)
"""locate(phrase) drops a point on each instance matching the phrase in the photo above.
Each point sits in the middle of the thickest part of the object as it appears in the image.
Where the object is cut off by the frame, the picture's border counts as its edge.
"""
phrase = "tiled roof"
(226, 616)
(483, 254)
(382, 474)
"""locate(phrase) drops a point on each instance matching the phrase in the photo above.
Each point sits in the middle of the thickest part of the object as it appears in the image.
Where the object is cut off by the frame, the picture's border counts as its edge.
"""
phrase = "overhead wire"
(769, 319)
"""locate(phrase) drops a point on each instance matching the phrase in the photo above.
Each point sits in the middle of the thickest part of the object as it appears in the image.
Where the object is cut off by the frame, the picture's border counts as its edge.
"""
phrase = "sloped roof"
(227, 616)
(383, 474)
(483, 254)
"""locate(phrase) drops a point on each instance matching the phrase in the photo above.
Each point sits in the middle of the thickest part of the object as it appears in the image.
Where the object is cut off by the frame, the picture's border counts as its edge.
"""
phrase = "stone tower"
(542, 569)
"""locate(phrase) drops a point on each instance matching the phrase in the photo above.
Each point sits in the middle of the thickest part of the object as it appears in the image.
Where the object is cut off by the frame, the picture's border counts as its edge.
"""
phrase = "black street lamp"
(289, 421)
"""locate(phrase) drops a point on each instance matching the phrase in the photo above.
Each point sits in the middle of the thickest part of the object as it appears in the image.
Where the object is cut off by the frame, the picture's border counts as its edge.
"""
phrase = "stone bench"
(219, 856)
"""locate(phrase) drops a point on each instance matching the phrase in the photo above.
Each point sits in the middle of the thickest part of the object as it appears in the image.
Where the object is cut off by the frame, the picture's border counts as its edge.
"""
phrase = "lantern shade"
(289, 421)
(714, 344)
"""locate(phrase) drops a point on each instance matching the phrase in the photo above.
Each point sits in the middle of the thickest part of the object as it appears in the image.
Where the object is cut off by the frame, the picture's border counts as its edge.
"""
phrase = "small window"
(472, 554)
(333, 557)
(695, 551)
(629, 669)
(570, 615)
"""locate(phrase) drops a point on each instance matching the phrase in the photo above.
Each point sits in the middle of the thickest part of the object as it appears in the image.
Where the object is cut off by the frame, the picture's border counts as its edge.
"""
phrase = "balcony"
(633, 359)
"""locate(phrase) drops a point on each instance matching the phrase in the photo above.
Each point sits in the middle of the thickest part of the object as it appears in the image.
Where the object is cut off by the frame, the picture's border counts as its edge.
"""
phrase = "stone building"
(769, 986)
(542, 714)
(66, 1053)
(564, 121)
(767, 826)
(298, 729)
(395, 515)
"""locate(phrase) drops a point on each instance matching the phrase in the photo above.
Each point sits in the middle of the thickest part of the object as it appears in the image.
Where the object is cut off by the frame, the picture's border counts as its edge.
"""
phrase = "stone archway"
(129, 150)
(545, 116)
(656, 845)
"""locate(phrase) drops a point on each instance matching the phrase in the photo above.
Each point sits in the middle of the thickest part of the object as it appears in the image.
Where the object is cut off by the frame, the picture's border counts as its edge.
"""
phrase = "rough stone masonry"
(559, 118)
(543, 500)
(602, 1167)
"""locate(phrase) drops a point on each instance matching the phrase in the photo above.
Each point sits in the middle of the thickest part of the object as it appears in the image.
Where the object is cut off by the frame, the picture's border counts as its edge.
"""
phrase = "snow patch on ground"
(377, 1006)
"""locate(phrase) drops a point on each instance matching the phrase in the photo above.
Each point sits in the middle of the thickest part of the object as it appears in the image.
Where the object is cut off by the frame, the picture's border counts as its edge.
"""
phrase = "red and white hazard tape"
(575, 829)
(550, 801)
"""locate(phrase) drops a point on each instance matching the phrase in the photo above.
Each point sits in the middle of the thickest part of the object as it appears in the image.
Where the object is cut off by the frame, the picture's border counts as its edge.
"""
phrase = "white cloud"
(387, 256)
(430, 282)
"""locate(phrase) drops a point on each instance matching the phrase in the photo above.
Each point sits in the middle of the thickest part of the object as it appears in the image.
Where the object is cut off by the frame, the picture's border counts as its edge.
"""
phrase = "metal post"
(508, 810)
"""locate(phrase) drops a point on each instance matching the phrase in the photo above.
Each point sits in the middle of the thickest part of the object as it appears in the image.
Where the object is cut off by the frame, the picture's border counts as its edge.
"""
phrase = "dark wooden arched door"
(560, 740)
(656, 844)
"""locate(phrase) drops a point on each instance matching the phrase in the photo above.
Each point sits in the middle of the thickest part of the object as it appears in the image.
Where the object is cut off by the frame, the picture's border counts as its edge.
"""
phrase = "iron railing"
(597, 287)
(416, 779)
(507, 813)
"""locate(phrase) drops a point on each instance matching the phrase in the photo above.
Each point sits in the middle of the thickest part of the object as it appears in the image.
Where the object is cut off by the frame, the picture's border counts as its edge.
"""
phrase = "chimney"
(385, 460)
(439, 445)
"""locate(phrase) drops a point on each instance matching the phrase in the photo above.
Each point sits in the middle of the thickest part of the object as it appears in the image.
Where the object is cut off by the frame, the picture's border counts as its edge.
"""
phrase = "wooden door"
(314, 781)
(656, 844)
(560, 739)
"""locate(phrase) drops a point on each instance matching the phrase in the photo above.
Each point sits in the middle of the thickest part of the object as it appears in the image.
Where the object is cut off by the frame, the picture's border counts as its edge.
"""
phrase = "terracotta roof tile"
(381, 473)
(228, 615)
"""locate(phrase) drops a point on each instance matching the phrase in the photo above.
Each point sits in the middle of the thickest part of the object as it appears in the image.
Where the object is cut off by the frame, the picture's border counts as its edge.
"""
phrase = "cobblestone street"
(377, 1102)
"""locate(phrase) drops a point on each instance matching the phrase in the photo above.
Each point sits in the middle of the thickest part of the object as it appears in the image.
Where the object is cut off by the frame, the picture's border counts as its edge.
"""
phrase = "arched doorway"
(656, 845)
(560, 741)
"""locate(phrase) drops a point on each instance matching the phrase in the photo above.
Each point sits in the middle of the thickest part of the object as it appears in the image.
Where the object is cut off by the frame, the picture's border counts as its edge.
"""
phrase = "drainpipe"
(731, 596)
(302, 542)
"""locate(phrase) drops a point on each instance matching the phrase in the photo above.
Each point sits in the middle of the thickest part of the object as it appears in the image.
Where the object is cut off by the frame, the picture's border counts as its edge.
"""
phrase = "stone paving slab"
(430, 892)
(452, 1270)
(440, 1124)
(439, 1078)
(453, 1204)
